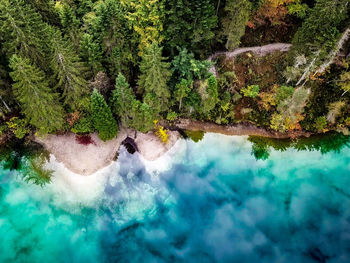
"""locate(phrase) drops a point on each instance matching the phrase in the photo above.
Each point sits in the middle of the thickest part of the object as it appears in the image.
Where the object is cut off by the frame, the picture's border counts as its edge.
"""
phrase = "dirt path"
(236, 129)
(260, 50)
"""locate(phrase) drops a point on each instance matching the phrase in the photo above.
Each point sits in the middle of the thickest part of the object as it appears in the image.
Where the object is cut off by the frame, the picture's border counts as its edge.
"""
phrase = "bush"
(251, 91)
(321, 124)
(172, 116)
(83, 125)
(18, 127)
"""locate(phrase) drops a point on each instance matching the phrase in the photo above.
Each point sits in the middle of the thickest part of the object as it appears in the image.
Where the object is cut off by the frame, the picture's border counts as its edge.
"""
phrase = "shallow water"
(210, 201)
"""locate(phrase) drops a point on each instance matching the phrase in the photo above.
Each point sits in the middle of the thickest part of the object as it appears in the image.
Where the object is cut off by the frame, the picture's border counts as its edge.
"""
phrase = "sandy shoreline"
(88, 159)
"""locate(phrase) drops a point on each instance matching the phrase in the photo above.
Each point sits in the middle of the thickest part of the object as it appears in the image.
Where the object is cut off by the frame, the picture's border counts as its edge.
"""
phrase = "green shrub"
(18, 127)
(84, 125)
(251, 91)
(172, 116)
(321, 124)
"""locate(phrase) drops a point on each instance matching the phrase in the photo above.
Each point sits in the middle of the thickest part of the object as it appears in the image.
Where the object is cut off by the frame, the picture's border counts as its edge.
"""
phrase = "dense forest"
(96, 65)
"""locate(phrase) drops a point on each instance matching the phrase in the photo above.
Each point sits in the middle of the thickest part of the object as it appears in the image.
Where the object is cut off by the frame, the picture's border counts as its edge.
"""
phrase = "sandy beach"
(88, 159)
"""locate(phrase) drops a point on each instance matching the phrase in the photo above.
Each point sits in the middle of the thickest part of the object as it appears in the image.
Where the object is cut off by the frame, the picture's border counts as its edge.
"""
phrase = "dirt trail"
(236, 129)
(260, 50)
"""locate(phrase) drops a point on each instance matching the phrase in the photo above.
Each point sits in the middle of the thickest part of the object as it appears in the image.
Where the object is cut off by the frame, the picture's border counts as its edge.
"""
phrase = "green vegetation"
(86, 66)
(102, 117)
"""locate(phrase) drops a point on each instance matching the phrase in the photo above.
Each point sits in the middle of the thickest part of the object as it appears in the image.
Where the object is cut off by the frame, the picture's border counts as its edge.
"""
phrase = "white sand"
(88, 159)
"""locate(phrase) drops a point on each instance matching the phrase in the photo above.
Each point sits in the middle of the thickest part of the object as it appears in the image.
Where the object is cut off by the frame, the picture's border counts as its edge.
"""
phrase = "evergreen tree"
(102, 117)
(143, 116)
(91, 53)
(237, 14)
(210, 97)
(182, 90)
(69, 70)
(38, 102)
(146, 18)
(132, 113)
(69, 21)
(122, 101)
(111, 29)
(23, 31)
(154, 76)
(46, 9)
(321, 29)
(189, 24)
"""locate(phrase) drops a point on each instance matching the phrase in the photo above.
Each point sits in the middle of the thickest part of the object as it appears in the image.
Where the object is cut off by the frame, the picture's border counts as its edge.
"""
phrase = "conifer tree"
(102, 117)
(112, 30)
(182, 90)
(189, 24)
(31, 88)
(143, 116)
(122, 101)
(146, 18)
(23, 31)
(321, 29)
(69, 21)
(91, 53)
(237, 14)
(210, 97)
(154, 76)
(69, 70)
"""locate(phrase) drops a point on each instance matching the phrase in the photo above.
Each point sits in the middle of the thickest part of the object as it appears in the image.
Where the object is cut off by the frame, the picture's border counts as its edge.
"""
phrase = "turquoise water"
(210, 201)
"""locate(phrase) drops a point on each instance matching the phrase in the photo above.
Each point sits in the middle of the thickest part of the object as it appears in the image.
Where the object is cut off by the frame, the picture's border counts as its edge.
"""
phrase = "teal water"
(210, 201)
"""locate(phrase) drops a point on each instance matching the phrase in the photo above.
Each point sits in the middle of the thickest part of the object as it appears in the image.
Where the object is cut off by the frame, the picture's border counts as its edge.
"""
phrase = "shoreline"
(88, 159)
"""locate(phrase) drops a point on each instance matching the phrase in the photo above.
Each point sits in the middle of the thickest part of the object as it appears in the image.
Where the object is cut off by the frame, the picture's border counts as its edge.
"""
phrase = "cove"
(222, 199)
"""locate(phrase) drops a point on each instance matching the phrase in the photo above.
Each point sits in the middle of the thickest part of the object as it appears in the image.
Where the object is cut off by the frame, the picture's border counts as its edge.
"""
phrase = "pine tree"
(182, 90)
(143, 116)
(154, 76)
(321, 29)
(112, 30)
(91, 53)
(234, 23)
(69, 70)
(69, 21)
(46, 9)
(23, 31)
(147, 18)
(102, 117)
(210, 97)
(38, 102)
(122, 101)
(189, 24)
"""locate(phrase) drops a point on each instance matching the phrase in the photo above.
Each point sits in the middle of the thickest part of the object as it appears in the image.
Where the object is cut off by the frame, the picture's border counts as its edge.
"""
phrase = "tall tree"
(122, 101)
(91, 53)
(69, 21)
(210, 95)
(146, 18)
(112, 30)
(317, 37)
(234, 22)
(69, 70)
(154, 77)
(102, 117)
(38, 102)
(23, 31)
(132, 113)
(189, 24)
(182, 90)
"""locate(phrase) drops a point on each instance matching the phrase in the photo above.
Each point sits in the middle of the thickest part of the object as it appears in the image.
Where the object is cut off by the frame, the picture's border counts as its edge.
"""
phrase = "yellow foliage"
(161, 132)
